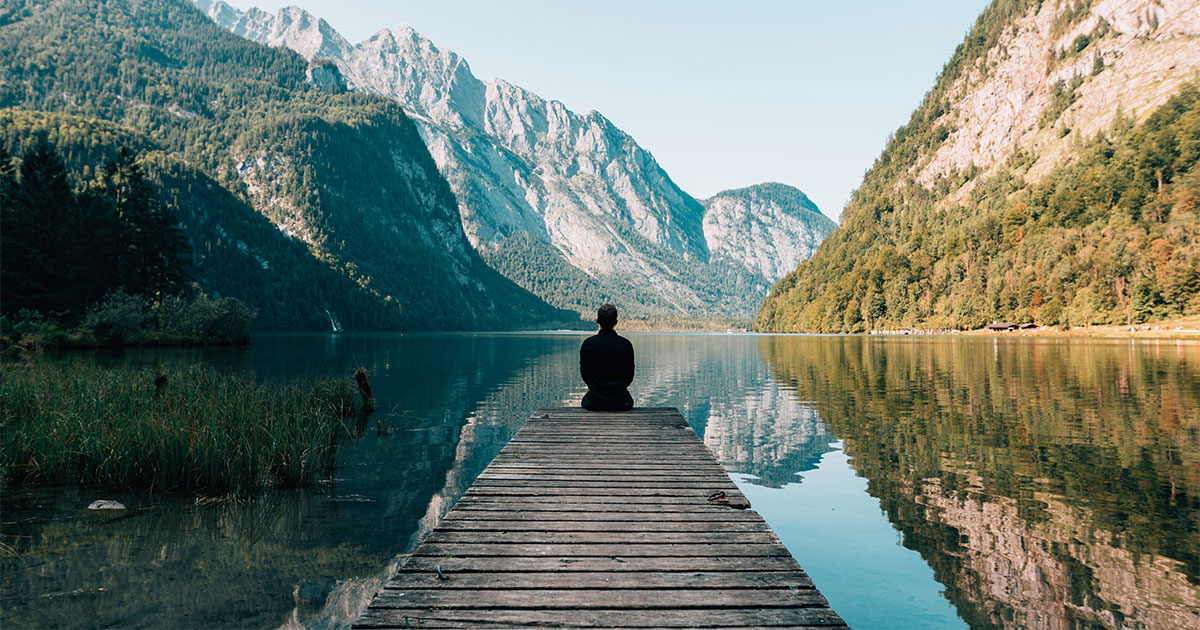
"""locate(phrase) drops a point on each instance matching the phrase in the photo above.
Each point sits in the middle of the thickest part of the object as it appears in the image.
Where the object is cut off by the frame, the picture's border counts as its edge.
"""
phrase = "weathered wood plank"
(600, 537)
(583, 599)
(590, 504)
(613, 503)
(630, 466)
(619, 491)
(408, 578)
(609, 486)
(535, 550)
(602, 526)
(626, 503)
(561, 474)
(603, 564)
(602, 618)
(503, 512)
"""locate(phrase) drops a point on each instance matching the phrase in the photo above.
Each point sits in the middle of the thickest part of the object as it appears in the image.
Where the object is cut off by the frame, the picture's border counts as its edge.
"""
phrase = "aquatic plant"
(185, 429)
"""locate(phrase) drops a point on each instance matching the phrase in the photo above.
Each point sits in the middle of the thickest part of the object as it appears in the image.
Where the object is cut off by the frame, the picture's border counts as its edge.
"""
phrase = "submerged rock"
(106, 504)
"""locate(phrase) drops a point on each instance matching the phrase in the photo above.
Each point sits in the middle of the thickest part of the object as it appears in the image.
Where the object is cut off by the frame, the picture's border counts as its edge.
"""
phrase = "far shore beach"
(1181, 328)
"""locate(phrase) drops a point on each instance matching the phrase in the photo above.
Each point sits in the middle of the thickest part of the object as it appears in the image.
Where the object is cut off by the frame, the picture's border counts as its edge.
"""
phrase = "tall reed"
(165, 430)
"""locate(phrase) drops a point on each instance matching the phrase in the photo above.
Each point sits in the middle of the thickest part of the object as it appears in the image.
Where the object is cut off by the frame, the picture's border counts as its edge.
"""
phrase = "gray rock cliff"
(530, 174)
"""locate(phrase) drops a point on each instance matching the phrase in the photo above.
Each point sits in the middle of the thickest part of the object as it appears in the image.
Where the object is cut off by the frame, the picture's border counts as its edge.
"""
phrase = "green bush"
(121, 318)
(129, 319)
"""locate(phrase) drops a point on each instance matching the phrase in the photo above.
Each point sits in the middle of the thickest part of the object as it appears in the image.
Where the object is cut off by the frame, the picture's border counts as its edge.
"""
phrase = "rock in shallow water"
(105, 504)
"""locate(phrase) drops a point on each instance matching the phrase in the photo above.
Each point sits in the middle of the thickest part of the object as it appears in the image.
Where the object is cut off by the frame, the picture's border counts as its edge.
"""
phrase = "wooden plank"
(583, 599)
(504, 512)
(476, 536)
(601, 465)
(608, 485)
(408, 578)
(696, 492)
(615, 479)
(567, 474)
(603, 526)
(603, 564)
(815, 617)
(700, 491)
(667, 501)
(568, 432)
(647, 503)
(633, 504)
(535, 550)
(601, 520)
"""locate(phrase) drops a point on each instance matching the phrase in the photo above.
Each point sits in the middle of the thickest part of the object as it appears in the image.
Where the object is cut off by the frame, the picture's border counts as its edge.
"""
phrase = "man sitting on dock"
(606, 363)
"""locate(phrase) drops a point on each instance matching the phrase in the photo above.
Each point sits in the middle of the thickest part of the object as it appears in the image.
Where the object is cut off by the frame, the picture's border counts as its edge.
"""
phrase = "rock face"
(236, 131)
(770, 227)
(1040, 155)
(536, 181)
(1108, 59)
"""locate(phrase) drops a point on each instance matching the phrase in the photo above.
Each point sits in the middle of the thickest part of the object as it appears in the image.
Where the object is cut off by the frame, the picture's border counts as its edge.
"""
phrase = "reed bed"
(184, 429)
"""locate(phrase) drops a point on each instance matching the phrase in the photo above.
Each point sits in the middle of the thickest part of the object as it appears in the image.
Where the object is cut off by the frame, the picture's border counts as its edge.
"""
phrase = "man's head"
(606, 316)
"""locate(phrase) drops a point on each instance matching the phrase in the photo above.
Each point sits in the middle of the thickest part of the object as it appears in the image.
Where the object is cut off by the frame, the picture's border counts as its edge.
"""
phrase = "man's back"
(606, 364)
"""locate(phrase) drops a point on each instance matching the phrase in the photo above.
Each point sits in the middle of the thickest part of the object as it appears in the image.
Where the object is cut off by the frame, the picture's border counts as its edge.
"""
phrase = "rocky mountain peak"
(291, 26)
(758, 225)
(430, 82)
(535, 179)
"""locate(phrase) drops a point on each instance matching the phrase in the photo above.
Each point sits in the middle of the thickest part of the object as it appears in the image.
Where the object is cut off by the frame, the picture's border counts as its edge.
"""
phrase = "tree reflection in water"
(1050, 484)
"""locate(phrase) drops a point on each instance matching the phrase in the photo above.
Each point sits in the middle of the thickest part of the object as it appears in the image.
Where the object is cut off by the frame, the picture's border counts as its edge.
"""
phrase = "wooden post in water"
(594, 519)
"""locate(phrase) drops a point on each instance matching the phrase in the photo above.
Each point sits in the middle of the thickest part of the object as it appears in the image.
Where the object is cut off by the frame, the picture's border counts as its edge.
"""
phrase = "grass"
(175, 430)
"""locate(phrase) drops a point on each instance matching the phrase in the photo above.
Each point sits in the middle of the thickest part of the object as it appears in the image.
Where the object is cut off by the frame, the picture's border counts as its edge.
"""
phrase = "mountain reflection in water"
(1046, 485)
(1050, 484)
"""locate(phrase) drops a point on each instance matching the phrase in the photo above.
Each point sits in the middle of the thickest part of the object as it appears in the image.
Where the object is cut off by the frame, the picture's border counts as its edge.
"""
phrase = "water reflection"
(1048, 484)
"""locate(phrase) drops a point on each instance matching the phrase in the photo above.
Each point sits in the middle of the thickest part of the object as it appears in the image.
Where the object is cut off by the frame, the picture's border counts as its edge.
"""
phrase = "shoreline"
(1180, 328)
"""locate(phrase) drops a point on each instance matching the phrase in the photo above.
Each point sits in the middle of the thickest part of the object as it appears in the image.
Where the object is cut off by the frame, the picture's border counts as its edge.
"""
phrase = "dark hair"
(606, 316)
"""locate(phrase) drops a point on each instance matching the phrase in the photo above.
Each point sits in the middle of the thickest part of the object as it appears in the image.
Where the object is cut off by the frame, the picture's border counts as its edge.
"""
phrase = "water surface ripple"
(923, 482)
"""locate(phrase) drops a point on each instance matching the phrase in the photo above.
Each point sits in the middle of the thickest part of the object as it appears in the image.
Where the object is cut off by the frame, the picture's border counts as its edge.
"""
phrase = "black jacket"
(606, 363)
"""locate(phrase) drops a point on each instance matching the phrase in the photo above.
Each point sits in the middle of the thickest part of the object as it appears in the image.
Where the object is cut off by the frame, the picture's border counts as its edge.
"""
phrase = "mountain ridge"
(250, 118)
(992, 203)
(522, 164)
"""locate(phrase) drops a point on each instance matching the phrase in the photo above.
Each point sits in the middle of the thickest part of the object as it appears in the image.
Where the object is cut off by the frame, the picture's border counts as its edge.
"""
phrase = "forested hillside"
(360, 226)
(1061, 202)
(565, 204)
(234, 251)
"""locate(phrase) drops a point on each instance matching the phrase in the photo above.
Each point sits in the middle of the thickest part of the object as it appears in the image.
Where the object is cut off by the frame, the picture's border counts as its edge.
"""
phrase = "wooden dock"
(602, 520)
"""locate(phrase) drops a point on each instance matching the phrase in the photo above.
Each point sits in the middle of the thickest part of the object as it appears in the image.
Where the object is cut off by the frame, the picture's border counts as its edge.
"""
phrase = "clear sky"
(724, 94)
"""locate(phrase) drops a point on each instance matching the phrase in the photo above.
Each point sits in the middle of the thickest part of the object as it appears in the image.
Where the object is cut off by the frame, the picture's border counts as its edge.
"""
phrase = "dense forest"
(61, 250)
(1111, 237)
(228, 132)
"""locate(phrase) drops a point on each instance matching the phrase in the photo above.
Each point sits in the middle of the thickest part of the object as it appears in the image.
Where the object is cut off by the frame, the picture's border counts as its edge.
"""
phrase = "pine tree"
(57, 247)
(153, 255)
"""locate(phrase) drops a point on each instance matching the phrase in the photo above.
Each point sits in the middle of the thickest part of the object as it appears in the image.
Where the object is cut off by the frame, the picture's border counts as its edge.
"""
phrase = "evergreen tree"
(67, 241)
(153, 255)
(37, 223)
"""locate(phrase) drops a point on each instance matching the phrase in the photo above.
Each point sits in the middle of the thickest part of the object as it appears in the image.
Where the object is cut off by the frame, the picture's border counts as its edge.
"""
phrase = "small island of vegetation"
(177, 430)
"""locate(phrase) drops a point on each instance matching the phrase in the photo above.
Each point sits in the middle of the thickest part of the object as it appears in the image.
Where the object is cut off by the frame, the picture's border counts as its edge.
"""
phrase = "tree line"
(62, 249)
(1111, 237)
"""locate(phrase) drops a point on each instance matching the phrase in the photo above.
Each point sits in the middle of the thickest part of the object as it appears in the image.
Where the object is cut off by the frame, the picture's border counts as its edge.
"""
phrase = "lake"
(923, 482)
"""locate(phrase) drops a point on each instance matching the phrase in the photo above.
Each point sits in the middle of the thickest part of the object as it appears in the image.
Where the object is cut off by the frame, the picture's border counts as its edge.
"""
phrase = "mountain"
(770, 227)
(361, 228)
(1049, 175)
(567, 205)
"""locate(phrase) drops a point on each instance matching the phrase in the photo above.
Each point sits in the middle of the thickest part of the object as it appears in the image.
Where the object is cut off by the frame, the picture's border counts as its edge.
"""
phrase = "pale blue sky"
(724, 94)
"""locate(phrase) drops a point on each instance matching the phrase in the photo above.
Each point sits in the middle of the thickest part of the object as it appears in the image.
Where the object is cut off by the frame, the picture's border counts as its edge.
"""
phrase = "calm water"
(923, 483)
